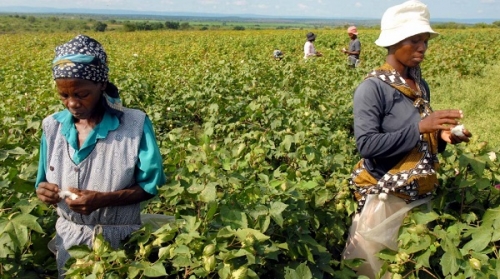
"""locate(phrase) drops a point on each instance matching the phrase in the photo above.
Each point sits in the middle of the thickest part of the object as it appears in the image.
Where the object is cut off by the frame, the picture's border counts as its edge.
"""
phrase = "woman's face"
(81, 97)
(411, 51)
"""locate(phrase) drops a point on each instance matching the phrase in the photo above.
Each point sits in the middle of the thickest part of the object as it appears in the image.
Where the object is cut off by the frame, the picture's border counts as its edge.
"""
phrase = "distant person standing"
(354, 47)
(309, 49)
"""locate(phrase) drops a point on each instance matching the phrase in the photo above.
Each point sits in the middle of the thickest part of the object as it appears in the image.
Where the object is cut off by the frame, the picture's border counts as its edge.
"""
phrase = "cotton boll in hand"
(382, 196)
(67, 194)
(458, 130)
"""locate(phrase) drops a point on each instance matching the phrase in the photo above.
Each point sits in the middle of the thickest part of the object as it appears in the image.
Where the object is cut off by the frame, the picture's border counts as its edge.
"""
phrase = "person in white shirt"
(309, 49)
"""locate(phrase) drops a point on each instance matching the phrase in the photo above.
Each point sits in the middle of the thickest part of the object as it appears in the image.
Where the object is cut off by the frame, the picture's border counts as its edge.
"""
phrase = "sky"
(453, 9)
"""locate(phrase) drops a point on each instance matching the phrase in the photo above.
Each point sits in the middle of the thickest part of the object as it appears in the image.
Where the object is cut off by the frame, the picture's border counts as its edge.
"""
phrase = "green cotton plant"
(101, 261)
(457, 237)
(258, 154)
(222, 244)
(23, 241)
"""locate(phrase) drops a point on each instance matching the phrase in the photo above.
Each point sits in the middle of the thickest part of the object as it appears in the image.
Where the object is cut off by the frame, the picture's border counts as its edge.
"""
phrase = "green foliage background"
(258, 153)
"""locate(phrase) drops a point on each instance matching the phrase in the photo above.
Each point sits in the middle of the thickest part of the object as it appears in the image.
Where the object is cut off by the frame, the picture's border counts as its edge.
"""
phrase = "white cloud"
(240, 3)
(358, 4)
(208, 2)
(302, 6)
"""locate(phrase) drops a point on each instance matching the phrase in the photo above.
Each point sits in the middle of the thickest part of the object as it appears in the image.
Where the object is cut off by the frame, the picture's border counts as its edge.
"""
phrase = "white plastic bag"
(376, 228)
(156, 220)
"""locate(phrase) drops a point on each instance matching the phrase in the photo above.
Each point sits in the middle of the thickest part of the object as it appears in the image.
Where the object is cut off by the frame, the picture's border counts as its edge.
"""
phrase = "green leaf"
(233, 217)
(195, 188)
(181, 260)
(79, 251)
(483, 183)
(478, 166)
(134, 269)
(307, 185)
(287, 143)
(264, 223)
(18, 227)
(305, 251)
(301, 272)
(422, 244)
(164, 253)
(425, 218)
(212, 209)
(164, 234)
(243, 233)
(17, 151)
(191, 223)
(276, 209)
(481, 238)
(423, 259)
(208, 194)
(182, 249)
(155, 270)
(347, 273)
(492, 217)
(225, 232)
(225, 272)
(209, 131)
(27, 220)
(8, 246)
(263, 177)
(27, 206)
(322, 196)
(449, 263)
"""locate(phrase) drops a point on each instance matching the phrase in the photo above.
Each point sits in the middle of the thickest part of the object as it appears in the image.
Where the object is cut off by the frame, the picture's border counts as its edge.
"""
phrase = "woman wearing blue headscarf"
(98, 159)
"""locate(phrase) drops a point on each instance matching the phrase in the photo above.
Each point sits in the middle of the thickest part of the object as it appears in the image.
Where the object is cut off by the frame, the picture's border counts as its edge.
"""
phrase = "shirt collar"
(108, 123)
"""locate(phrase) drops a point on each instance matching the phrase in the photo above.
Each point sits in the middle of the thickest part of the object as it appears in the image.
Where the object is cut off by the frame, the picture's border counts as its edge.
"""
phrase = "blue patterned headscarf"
(84, 58)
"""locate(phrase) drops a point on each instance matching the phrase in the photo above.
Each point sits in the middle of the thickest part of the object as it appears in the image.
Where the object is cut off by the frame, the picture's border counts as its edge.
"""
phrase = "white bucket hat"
(402, 21)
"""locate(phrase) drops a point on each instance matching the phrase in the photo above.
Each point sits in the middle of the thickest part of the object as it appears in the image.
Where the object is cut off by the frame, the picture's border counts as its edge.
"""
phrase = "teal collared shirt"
(149, 173)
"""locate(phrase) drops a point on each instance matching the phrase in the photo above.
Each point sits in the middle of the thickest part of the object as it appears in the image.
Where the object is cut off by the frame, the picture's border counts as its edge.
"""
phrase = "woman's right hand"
(48, 193)
(440, 120)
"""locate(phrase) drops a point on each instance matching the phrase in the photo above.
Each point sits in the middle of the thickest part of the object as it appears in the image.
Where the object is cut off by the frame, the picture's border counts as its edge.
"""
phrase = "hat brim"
(391, 37)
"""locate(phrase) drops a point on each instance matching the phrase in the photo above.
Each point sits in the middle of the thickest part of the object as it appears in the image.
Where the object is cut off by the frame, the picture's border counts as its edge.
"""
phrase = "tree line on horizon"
(50, 23)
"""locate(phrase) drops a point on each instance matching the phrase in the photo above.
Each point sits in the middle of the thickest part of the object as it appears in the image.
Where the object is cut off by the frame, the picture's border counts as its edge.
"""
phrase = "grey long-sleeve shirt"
(385, 125)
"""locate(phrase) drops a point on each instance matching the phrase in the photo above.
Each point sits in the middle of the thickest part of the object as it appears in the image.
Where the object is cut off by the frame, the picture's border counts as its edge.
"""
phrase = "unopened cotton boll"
(458, 130)
(67, 194)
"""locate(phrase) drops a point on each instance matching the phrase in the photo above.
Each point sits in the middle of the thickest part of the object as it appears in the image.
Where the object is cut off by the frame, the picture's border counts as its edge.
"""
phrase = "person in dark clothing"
(354, 49)
(397, 134)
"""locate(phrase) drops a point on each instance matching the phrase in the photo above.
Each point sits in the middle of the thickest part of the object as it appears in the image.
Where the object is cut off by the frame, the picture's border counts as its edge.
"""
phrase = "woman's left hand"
(449, 137)
(86, 202)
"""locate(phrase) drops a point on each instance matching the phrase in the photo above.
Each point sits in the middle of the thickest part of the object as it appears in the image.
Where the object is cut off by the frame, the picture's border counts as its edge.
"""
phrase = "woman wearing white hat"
(397, 135)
